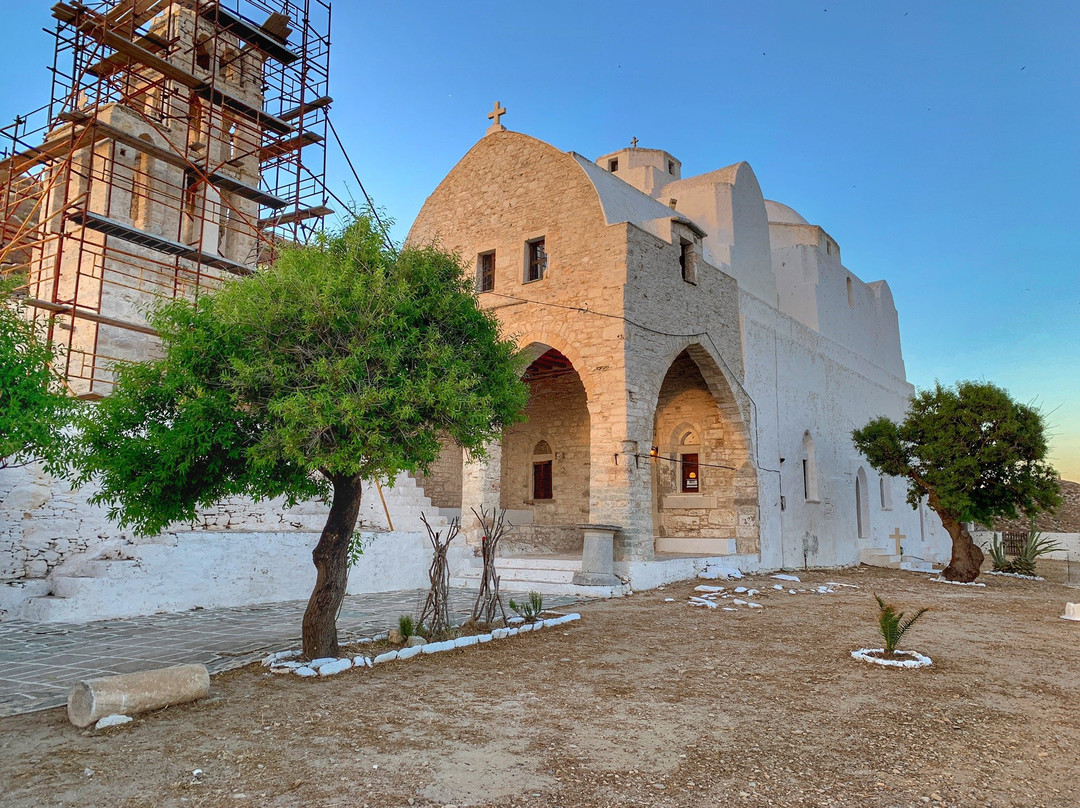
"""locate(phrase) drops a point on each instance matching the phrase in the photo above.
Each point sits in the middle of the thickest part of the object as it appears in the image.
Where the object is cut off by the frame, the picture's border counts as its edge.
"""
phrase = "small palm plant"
(893, 625)
(530, 610)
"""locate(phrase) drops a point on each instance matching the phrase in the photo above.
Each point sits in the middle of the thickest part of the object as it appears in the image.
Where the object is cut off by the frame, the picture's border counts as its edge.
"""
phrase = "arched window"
(809, 469)
(542, 468)
(689, 451)
(885, 484)
(862, 505)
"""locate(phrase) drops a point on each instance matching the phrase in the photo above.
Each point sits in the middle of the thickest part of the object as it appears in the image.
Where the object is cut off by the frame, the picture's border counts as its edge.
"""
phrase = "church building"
(699, 359)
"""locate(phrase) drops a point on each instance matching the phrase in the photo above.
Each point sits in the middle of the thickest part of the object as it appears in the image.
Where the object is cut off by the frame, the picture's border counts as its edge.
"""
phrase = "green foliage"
(356, 548)
(892, 624)
(530, 610)
(34, 408)
(998, 556)
(344, 360)
(407, 626)
(1034, 547)
(974, 451)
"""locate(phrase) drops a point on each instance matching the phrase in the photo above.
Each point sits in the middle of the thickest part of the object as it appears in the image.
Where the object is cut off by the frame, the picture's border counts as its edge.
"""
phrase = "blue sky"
(936, 142)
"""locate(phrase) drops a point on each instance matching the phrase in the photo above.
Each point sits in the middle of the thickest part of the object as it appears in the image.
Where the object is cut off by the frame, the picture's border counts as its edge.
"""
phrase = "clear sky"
(937, 142)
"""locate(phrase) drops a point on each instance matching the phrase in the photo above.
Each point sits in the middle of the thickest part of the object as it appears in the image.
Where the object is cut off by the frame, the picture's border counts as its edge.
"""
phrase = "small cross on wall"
(633, 143)
(494, 115)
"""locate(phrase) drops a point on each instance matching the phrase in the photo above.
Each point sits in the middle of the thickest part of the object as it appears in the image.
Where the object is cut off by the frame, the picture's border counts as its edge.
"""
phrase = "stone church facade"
(700, 357)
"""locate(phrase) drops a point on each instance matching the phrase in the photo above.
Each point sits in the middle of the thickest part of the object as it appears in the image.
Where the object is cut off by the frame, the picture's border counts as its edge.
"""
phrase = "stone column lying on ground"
(132, 693)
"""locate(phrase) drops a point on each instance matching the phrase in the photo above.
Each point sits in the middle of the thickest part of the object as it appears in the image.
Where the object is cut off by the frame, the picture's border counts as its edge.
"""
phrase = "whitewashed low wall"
(1069, 543)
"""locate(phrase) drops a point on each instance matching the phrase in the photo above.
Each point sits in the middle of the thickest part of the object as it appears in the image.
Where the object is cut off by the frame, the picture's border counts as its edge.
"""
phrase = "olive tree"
(346, 361)
(973, 453)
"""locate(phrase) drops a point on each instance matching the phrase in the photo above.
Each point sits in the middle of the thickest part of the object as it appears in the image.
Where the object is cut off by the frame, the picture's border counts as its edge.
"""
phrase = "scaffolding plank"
(125, 232)
(92, 25)
(310, 106)
(295, 143)
(116, 61)
(249, 32)
(261, 117)
(295, 216)
(78, 312)
(247, 191)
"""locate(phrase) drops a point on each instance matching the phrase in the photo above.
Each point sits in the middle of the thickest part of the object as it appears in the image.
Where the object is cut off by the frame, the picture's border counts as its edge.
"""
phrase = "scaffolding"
(183, 143)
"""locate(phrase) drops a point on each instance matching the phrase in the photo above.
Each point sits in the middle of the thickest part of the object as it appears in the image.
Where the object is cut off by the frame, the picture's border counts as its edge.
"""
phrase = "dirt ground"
(642, 702)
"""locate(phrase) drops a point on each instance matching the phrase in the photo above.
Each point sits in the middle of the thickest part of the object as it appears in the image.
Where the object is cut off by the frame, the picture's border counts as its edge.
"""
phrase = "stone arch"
(534, 344)
(558, 420)
(704, 494)
(862, 505)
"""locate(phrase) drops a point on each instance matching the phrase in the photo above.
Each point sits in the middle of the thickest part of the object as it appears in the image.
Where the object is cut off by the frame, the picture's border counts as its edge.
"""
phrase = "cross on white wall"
(896, 535)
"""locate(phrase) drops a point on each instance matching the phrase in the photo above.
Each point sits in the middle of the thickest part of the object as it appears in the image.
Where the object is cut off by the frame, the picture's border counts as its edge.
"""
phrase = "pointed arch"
(862, 505)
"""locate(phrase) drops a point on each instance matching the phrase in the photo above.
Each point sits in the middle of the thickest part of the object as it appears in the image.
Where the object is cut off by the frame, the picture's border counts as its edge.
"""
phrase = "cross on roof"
(633, 143)
(494, 115)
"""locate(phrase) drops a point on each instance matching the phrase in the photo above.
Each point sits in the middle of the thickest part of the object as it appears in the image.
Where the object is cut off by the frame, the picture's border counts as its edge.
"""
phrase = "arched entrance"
(545, 460)
(704, 483)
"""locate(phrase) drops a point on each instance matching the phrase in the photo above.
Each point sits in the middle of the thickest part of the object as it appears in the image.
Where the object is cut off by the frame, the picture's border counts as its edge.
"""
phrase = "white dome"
(782, 214)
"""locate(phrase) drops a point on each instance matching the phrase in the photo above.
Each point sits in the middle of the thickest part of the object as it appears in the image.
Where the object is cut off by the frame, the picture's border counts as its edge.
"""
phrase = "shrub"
(1034, 546)
(893, 625)
(531, 610)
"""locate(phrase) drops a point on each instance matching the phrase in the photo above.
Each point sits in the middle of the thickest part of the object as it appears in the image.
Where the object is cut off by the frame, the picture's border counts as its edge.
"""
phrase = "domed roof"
(780, 213)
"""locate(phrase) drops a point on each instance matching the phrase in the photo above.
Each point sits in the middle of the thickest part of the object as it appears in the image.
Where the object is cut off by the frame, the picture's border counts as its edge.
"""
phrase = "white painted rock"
(739, 602)
(702, 602)
(511, 632)
(515, 620)
(783, 577)
(112, 721)
(739, 590)
(498, 633)
(436, 647)
(704, 588)
(389, 656)
(778, 586)
(315, 664)
(755, 605)
(337, 666)
(484, 638)
(465, 642)
(914, 660)
(669, 600)
(407, 653)
(305, 671)
(751, 592)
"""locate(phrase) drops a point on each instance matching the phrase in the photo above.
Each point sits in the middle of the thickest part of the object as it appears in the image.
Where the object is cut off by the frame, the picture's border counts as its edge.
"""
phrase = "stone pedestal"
(598, 556)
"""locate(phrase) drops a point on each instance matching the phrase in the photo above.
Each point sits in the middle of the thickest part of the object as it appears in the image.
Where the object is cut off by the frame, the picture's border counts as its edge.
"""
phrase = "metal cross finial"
(633, 143)
(494, 116)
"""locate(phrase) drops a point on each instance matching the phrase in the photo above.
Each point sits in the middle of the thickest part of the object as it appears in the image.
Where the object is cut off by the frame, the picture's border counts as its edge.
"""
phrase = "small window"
(542, 480)
(202, 57)
(613, 165)
(850, 293)
(688, 262)
(485, 272)
(671, 167)
(690, 481)
(537, 260)
(809, 470)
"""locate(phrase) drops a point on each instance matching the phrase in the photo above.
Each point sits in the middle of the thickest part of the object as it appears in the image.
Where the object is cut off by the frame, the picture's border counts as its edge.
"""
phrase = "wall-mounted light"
(654, 451)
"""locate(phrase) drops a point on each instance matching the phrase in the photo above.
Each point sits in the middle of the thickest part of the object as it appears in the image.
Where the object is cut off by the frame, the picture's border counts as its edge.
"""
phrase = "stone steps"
(877, 557)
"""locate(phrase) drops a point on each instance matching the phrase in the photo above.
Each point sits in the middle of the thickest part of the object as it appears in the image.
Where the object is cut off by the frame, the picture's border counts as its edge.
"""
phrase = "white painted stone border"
(1016, 575)
(940, 580)
(284, 661)
(919, 661)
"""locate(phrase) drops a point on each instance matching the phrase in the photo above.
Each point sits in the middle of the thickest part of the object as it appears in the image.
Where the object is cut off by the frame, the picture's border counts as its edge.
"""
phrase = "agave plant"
(998, 556)
(893, 625)
(530, 610)
(1034, 546)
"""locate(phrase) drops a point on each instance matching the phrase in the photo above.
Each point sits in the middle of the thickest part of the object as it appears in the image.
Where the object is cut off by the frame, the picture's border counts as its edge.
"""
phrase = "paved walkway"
(39, 662)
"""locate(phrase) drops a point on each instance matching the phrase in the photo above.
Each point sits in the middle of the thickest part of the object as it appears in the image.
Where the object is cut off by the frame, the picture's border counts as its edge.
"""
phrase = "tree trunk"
(967, 558)
(331, 557)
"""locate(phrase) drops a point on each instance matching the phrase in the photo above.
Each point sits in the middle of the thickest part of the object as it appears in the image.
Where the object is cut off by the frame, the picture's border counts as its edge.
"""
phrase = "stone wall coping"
(608, 528)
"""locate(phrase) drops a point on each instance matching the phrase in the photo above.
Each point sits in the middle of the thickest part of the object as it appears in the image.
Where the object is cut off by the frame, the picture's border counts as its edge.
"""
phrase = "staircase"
(548, 575)
(878, 557)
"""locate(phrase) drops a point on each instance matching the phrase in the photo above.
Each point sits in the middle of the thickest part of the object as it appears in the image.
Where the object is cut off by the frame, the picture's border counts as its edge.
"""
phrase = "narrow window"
(690, 481)
(671, 167)
(687, 262)
(886, 494)
(805, 479)
(485, 272)
(809, 469)
(850, 293)
(542, 480)
(862, 506)
(613, 165)
(202, 57)
(537, 260)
